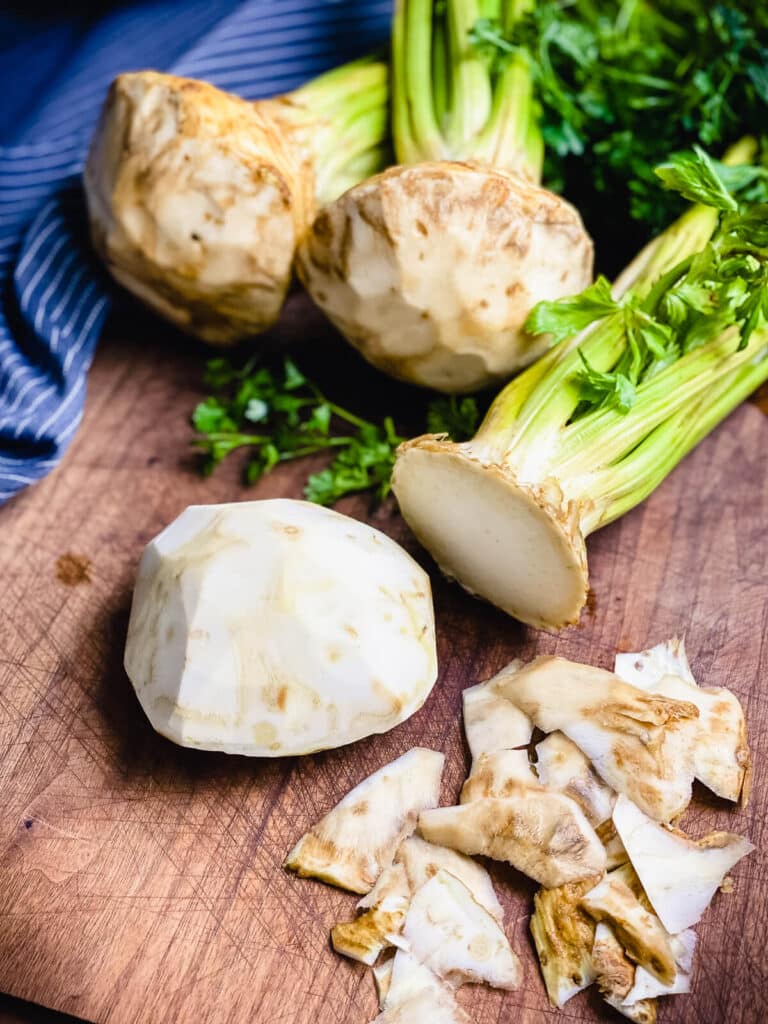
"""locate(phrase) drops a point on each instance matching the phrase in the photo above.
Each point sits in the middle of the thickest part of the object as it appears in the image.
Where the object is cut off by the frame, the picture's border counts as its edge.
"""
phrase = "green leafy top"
(725, 285)
(623, 84)
(280, 415)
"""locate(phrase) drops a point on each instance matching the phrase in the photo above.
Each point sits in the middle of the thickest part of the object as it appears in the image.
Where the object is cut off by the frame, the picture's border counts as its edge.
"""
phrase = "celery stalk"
(507, 513)
(449, 101)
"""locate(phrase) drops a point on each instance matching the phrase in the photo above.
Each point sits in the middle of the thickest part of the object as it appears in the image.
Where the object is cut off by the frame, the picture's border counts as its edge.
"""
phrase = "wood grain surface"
(141, 883)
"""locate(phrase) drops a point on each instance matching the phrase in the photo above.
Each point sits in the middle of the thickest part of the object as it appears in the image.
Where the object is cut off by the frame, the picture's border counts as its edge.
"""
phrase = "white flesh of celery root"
(449, 931)
(679, 875)
(278, 627)
(414, 995)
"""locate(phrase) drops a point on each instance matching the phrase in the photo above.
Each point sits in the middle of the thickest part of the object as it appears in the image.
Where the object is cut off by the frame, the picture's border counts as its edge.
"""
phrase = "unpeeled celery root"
(197, 199)
(430, 268)
(507, 514)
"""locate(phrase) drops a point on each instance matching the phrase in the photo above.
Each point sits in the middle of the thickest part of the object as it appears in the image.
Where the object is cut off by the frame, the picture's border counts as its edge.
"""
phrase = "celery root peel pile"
(616, 765)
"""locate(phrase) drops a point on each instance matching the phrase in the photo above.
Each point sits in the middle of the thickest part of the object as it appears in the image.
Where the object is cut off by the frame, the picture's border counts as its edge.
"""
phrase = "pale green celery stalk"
(342, 123)
(528, 425)
(471, 93)
(638, 474)
(507, 513)
(448, 102)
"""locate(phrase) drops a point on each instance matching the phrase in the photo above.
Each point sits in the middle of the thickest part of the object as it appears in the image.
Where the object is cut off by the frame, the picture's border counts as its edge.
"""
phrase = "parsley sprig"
(279, 415)
(723, 286)
(623, 84)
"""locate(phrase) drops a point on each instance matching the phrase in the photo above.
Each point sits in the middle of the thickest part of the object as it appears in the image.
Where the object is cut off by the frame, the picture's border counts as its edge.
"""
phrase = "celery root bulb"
(195, 203)
(278, 627)
(519, 546)
(430, 270)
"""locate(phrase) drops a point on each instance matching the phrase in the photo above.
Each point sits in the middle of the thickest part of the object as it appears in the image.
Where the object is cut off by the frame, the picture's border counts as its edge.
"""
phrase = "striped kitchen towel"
(54, 73)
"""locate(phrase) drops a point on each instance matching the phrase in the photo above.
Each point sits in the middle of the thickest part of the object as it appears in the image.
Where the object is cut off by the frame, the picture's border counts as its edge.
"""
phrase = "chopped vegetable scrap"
(624, 923)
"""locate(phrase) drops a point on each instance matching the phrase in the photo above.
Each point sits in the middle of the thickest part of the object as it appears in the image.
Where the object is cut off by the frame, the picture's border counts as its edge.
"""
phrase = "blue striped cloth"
(54, 73)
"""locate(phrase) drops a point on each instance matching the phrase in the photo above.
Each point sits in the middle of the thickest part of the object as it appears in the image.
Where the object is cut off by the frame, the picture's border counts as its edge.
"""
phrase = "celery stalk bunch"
(197, 199)
(637, 376)
(430, 268)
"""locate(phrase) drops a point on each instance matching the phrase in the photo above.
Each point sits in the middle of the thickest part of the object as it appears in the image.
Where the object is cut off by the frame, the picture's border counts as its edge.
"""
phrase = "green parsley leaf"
(454, 416)
(695, 176)
(563, 318)
(613, 389)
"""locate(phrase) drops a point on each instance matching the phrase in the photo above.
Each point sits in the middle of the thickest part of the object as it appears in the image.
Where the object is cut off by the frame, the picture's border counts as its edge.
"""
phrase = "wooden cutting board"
(142, 883)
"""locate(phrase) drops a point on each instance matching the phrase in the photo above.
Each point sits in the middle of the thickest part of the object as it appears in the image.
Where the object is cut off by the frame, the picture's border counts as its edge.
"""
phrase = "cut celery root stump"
(499, 538)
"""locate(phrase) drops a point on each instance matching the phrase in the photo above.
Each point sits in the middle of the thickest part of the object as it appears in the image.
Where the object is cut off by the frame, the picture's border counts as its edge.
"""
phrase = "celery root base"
(501, 540)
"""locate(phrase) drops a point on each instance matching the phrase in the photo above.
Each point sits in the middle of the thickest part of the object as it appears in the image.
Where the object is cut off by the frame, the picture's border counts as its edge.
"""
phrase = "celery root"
(637, 378)
(197, 199)
(430, 268)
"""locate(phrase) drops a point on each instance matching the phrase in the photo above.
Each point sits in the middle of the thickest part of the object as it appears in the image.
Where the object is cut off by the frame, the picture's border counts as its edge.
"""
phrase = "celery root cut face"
(515, 545)
(355, 841)
(639, 744)
(563, 935)
(278, 627)
(197, 199)
(431, 270)
(721, 753)
(451, 933)
(679, 875)
(492, 723)
(545, 835)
